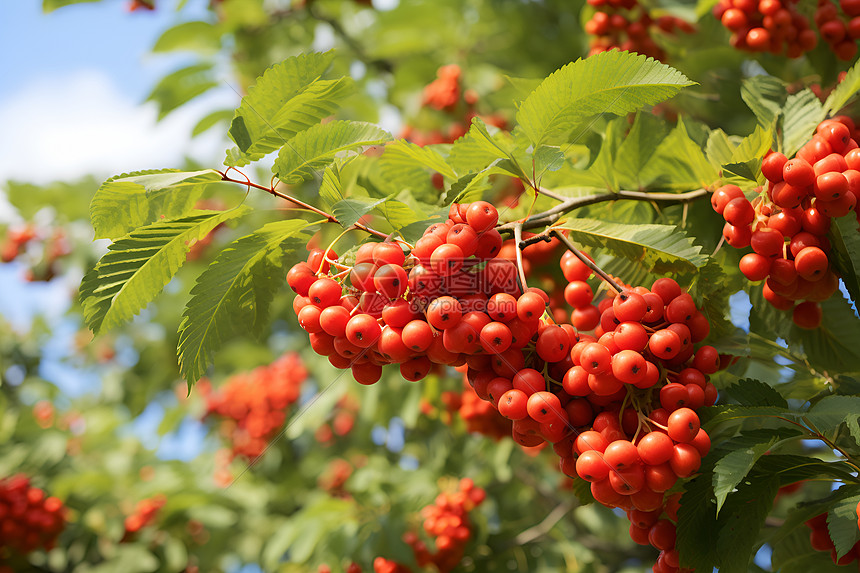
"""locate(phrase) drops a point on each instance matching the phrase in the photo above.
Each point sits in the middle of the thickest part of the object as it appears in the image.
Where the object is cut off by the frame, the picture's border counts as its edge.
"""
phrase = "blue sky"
(73, 87)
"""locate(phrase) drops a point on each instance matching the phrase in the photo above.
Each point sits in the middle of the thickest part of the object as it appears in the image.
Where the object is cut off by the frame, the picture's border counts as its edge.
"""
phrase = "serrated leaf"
(349, 211)
(802, 113)
(765, 96)
(832, 411)
(138, 266)
(476, 150)
(657, 247)
(233, 294)
(844, 92)
(719, 148)
(719, 414)
(310, 150)
(179, 87)
(331, 188)
(126, 202)
(610, 82)
(749, 392)
(637, 149)
(831, 347)
(604, 164)
(198, 36)
(734, 466)
(845, 254)
(696, 518)
(406, 154)
(842, 525)
(678, 163)
(743, 518)
(288, 98)
(547, 158)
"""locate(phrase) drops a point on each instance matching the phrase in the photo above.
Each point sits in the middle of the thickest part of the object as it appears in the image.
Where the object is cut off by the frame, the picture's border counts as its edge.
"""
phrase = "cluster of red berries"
(53, 246)
(342, 420)
(447, 521)
(774, 26)
(144, 514)
(778, 26)
(458, 300)
(625, 25)
(787, 226)
(445, 94)
(253, 405)
(618, 406)
(839, 30)
(819, 538)
(29, 520)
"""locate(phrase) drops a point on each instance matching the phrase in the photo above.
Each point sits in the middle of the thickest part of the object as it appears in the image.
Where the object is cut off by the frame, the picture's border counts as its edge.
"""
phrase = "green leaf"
(405, 154)
(832, 346)
(349, 211)
(314, 148)
(638, 148)
(51, 5)
(610, 82)
(138, 266)
(765, 96)
(126, 202)
(233, 294)
(476, 150)
(181, 86)
(211, 120)
(719, 148)
(547, 158)
(829, 413)
(288, 98)
(803, 112)
(751, 392)
(845, 254)
(842, 525)
(660, 248)
(743, 518)
(753, 146)
(734, 466)
(845, 91)
(696, 520)
(201, 37)
(749, 170)
(718, 414)
(679, 163)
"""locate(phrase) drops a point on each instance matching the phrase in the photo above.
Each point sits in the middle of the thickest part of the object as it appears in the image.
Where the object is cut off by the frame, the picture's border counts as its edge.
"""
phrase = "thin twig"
(518, 237)
(300, 204)
(552, 215)
(587, 262)
(545, 526)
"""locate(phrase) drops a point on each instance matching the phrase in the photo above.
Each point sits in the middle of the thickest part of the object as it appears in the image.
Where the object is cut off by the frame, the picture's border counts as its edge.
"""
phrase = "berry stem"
(586, 261)
(300, 204)
(518, 238)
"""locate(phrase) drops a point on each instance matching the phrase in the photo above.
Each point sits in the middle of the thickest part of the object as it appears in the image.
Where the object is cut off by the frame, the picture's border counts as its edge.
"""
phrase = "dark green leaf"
(845, 254)
(696, 524)
(832, 411)
(233, 294)
(842, 525)
(832, 346)
(126, 202)
(751, 392)
(734, 466)
(610, 82)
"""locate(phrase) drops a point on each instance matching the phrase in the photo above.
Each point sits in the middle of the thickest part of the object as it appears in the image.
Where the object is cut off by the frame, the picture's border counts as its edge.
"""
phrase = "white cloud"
(66, 127)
